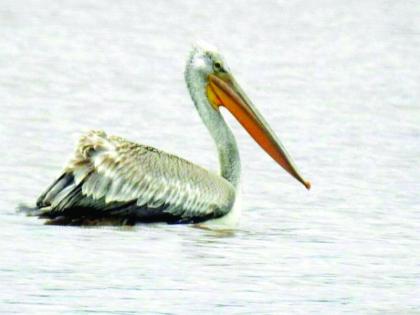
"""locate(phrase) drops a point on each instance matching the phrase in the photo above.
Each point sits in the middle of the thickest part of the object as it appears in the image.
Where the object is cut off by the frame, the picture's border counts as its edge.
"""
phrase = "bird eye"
(217, 66)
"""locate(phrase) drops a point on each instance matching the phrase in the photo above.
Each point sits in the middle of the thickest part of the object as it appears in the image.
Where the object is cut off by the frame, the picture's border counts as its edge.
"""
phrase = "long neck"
(230, 164)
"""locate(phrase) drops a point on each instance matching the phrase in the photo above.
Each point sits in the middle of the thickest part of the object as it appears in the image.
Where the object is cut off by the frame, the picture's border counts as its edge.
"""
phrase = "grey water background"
(338, 81)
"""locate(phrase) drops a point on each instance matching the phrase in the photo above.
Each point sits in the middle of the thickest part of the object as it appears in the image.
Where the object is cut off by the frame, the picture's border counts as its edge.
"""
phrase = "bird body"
(129, 181)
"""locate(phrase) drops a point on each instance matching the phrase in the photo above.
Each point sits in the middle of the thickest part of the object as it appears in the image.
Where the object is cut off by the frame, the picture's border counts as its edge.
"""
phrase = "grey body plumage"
(114, 180)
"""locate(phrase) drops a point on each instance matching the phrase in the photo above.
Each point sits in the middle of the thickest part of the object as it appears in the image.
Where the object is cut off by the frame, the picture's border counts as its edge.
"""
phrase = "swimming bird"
(110, 180)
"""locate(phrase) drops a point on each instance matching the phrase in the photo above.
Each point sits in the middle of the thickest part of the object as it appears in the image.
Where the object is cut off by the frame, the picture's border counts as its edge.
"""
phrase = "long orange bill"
(224, 91)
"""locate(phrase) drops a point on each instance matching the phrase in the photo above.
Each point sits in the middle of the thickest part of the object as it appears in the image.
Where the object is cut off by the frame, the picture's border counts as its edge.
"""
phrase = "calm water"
(339, 83)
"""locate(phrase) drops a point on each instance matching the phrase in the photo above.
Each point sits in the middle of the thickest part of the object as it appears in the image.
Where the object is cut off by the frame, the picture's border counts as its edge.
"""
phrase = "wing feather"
(113, 175)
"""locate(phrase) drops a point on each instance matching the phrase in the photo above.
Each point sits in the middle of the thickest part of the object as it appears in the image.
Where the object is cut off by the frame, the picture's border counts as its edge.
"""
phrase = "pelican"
(116, 181)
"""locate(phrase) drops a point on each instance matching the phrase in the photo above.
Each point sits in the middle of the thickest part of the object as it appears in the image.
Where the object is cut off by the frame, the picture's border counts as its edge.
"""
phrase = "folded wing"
(113, 179)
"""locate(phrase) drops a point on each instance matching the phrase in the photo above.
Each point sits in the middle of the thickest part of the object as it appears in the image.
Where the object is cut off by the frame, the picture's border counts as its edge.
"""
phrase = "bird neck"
(230, 164)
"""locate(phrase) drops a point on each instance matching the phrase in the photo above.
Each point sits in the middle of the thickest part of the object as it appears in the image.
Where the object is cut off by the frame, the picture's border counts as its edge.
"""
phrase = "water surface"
(339, 83)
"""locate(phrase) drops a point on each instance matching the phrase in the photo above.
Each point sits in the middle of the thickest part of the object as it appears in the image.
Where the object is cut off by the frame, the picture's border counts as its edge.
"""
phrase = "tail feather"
(29, 211)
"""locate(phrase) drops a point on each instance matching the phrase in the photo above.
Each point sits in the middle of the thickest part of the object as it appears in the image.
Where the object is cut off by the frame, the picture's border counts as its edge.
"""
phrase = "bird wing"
(112, 176)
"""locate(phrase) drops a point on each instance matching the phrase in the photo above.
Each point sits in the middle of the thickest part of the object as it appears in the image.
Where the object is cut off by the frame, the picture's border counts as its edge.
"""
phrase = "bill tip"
(307, 185)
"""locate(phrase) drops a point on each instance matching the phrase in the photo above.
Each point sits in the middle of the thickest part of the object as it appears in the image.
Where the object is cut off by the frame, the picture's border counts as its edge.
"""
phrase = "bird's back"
(111, 178)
